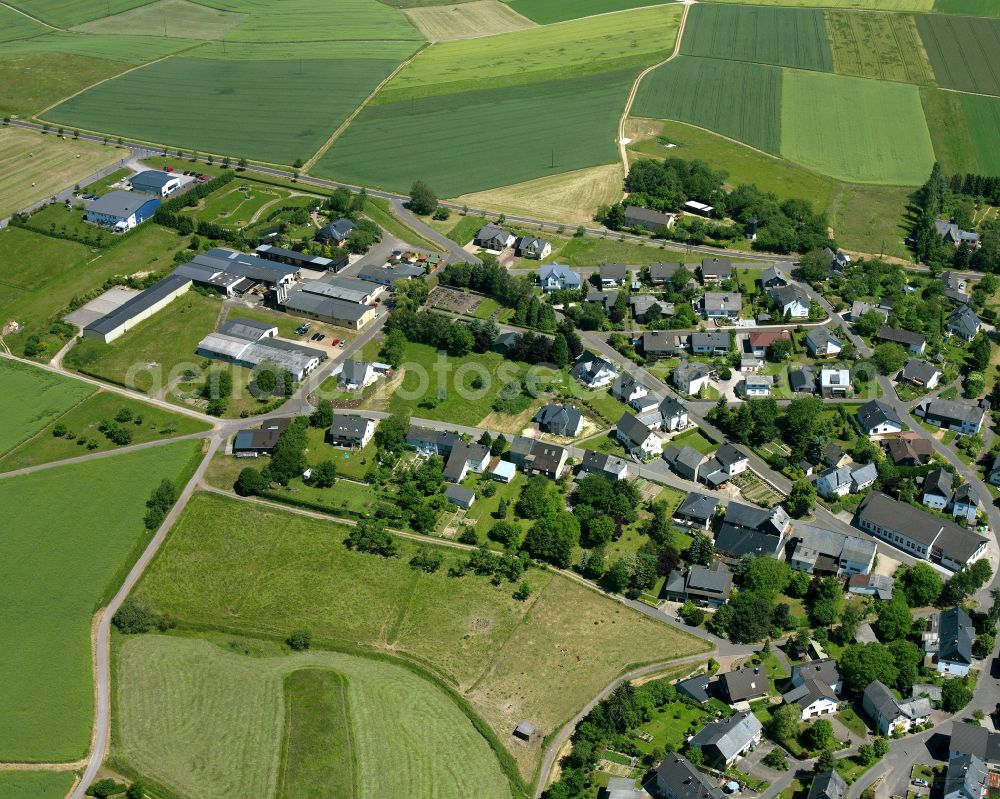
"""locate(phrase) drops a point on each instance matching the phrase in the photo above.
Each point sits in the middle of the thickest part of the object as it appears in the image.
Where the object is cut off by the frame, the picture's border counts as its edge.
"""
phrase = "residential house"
(626, 388)
(559, 420)
(937, 489)
(835, 383)
(748, 530)
(909, 449)
(741, 687)
(644, 405)
(696, 510)
(757, 385)
(967, 777)
(859, 308)
(791, 301)
(834, 455)
(824, 670)
(664, 343)
(839, 261)
(956, 287)
(250, 443)
(347, 430)
(878, 419)
(759, 342)
(698, 687)
(659, 274)
(520, 451)
(821, 551)
(993, 478)
(690, 377)
(863, 477)
(821, 343)
(715, 342)
(356, 375)
(593, 371)
(335, 231)
(953, 415)
(600, 463)
(623, 788)
(531, 247)
(674, 414)
(637, 437)
(920, 373)
(547, 459)
(773, 278)
(493, 237)
(722, 305)
(715, 270)
(813, 697)
(502, 471)
(973, 739)
(966, 503)
(505, 342)
(802, 380)
(463, 497)
(683, 460)
(646, 219)
(431, 442)
(556, 277)
(613, 276)
(892, 715)
(948, 639)
(953, 234)
(876, 585)
(828, 785)
(964, 323)
(727, 462)
(676, 778)
(466, 457)
(708, 588)
(834, 483)
(723, 742)
(913, 342)
(918, 533)
(642, 305)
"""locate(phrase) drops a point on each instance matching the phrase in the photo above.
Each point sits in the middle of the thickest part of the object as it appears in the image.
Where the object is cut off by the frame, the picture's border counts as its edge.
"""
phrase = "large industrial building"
(234, 273)
(155, 182)
(342, 301)
(140, 307)
(245, 342)
(122, 210)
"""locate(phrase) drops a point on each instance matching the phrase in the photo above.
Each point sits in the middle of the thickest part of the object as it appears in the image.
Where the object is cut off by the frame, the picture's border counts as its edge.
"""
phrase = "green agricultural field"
(819, 129)
(179, 18)
(876, 5)
(871, 219)
(215, 105)
(982, 115)
(148, 423)
(14, 25)
(503, 655)
(624, 41)
(66, 13)
(208, 723)
(131, 50)
(307, 21)
(784, 37)
(736, 99)
(963, 51)
(878, 45)
(744, 164)
(953, 145)
(30, 82)
(974, 8)
(83, 547)
(545, 12)
(35, 784)
(31, 399)
(442, 139)
(168, 339)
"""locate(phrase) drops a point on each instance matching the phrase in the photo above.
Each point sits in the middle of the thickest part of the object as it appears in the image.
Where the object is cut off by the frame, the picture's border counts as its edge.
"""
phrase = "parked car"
(343, 341)
(921, 783)
(321, 336)
(168, 169)
(202, 178)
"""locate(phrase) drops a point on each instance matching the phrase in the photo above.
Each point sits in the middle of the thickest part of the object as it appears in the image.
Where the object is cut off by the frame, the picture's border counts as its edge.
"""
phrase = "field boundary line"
(622, 147)
(55, 419)
(17, 10)
(354, 114)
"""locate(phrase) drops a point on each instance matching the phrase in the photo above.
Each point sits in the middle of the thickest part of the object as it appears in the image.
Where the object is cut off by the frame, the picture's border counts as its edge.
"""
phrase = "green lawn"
(465, 229)
(871, 219)
(379, 212)
(84, 547)
(35, 784)
(849, 718)
(672, 724)
(483, 509)
(208, 723)
(697, 439)
(257, 570)
(31, 399)
(818, 131)
(148, 423)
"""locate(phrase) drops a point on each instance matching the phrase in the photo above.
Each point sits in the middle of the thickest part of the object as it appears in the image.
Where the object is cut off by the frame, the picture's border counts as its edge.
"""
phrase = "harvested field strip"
(178, 18)
(467, 20)
(785, 37)
(737, 99)
(964, 51)
(214, 105)
(606, 44)
(877, 45)
(444, 139)
(819, 130)
(982, 115)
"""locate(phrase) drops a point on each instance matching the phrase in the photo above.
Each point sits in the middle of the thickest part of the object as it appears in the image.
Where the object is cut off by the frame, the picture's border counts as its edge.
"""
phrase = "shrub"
(299, 640)
(134, 617)
(59, 430)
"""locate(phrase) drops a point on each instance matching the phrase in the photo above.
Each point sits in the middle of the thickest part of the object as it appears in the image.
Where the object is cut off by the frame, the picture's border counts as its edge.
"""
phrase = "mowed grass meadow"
(823, 128)
(964, 51)
(208, 723)
(32, 398)
(482, 139)
(277, 111)
(35, 784)
(982, 115)
(244, 568)
(759, 34)
(62, 555)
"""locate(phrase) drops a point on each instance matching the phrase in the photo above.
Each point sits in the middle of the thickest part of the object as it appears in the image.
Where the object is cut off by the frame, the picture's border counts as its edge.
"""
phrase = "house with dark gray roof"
(715, 342)
(813, 697)
(673, 413)
(973, 739)
(953, 234)
(892, 715)
(431, 442)
(348, 430)
(465, 457)
(956, 287)
(914, 342)
(638, 437)
(641, 304)
(878, 419)
(715, 270)
(708, 587)
(697, 687)
(610, 466)
(676, 778)
(966, 504)
(559, 420)
(962, 417)
(593, 371)
(948, 638)
(773, 277)
(690, 377)
(921, 373)
(790, 301)
(749, 530)
(967, 777)
(626, 388)
(494, 237)
(825, 670)
(664, 343)
(662, 273)
(727, 462)
(356, 375)
(697, 510)
(722, 305)
(531, 247)
(647, 219)
(548, 459)
(336, 231)
(937, 489)
(457, 495)
(821, 343)
(251, 442)
(821, 551)
(723, 742)
(964, 323)
(828, 785)
(802, 380)
(683, 460)
(741, 687)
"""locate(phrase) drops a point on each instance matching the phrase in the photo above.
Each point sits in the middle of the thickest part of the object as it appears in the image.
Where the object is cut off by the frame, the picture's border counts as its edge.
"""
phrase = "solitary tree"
(423, 201)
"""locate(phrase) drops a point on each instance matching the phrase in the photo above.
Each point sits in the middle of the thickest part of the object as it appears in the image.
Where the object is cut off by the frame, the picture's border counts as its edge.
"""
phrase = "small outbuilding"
(463, 497)
(524, 730)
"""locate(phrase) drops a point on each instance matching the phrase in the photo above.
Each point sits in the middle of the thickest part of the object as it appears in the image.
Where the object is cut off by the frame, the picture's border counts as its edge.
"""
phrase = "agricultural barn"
(122, 210)
(140, 307)
(302, 260)
(247, 343)
(647, 219)
(154, 182)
